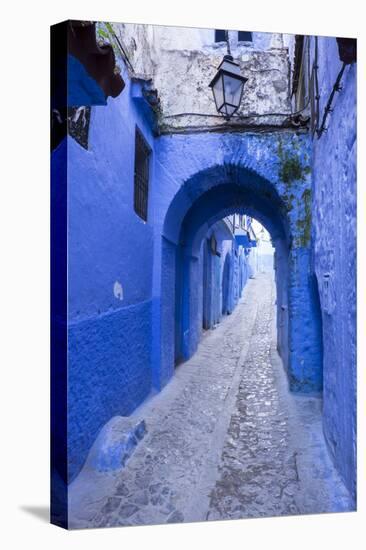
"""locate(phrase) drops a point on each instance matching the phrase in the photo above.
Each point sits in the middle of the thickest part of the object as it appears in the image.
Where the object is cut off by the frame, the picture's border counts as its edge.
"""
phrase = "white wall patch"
(118, 290)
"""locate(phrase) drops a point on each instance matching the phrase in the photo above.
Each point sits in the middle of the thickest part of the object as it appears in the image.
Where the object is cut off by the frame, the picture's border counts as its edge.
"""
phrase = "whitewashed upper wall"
(138, 41)
(182, 61)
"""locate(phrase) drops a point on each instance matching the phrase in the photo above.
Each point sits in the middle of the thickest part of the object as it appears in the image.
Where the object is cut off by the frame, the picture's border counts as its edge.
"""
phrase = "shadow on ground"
(40, 512)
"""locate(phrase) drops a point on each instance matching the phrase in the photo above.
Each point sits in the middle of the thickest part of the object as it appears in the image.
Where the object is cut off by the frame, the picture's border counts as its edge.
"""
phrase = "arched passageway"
(214, 194)
(218, 202)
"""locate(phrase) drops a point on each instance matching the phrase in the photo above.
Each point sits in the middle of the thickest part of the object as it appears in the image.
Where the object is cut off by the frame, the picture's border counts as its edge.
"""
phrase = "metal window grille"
(142, 162)
(245, 36)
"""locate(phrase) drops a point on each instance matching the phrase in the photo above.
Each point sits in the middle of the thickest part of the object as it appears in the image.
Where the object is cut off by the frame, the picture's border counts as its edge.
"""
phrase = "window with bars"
(142, 165)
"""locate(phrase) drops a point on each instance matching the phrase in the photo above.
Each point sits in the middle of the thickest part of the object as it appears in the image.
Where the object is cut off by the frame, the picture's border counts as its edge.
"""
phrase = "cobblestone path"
(225, 439)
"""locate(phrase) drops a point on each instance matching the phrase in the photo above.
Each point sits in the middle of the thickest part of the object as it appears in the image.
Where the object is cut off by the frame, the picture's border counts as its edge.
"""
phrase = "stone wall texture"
(109, 293)
(109, 374)
(334, 244)
(154, 50)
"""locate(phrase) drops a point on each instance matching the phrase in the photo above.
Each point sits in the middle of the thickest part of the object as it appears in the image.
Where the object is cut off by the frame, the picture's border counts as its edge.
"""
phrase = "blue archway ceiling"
(227, 199)
(220, 191)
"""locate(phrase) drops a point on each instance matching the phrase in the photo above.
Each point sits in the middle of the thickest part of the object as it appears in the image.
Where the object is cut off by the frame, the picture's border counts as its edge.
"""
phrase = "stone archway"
(211, 206)
(253, 175)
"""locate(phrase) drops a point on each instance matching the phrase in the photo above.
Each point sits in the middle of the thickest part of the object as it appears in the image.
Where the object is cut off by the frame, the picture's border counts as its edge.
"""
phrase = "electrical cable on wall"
(258, 115)
(328, 108)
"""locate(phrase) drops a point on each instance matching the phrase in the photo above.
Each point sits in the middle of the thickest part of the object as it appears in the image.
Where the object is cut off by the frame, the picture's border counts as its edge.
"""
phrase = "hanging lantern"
(227, 87)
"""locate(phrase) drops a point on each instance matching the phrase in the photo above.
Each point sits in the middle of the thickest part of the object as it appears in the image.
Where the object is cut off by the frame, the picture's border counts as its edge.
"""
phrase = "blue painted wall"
(207, 286)
(105, 233)
(220, 287)
(306, 354)
(218, 278)
(109, 339)
(109, 373)
(334, 242)
(59, 440)
(226, 284)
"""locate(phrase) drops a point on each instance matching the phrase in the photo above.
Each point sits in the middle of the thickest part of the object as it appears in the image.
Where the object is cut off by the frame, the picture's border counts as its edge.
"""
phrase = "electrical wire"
(258, 115)
(319, 130)
(328, 108)
(289, 115)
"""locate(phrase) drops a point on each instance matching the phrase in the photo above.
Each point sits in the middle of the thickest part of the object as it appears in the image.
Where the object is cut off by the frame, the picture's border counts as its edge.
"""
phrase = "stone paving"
(225, 439)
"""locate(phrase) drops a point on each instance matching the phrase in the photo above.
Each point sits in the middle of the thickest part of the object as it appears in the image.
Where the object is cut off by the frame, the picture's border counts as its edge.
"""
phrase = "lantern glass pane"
(233, 87)
(218, 91)
(229, 109)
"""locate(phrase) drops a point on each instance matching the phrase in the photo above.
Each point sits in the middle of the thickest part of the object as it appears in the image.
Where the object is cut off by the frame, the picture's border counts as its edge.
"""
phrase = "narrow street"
(225, 439)
(203, 266)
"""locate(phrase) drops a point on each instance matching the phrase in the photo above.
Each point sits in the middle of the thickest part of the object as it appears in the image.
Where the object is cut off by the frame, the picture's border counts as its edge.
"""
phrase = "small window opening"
(245, 36)
(220, 35)
(141, 182)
